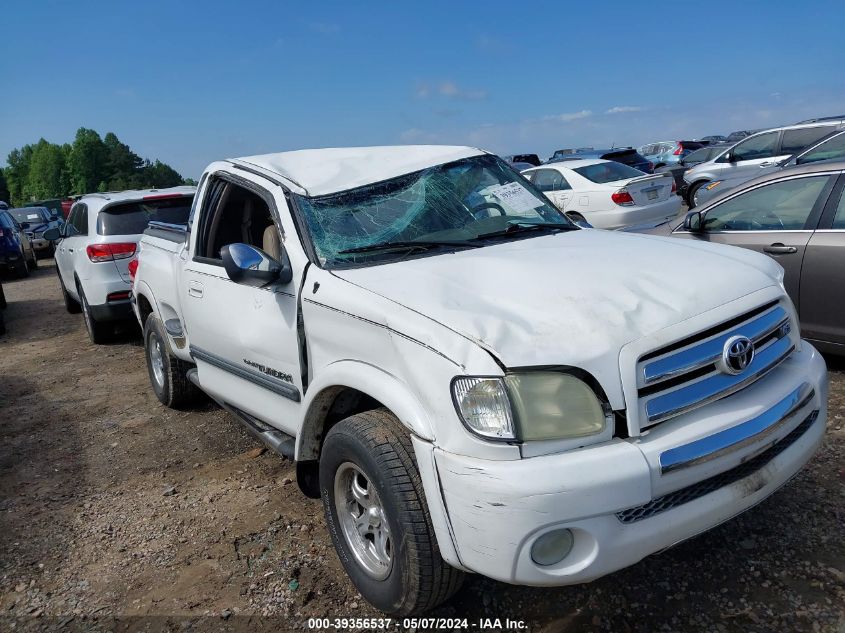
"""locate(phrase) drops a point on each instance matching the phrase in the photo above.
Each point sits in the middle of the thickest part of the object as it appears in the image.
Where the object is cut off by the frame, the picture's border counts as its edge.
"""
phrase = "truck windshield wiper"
(523, 227)
(421, 245)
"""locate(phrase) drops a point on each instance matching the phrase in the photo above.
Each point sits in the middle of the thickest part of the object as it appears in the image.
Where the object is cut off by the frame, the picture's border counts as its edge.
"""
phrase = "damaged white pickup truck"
(467, 379)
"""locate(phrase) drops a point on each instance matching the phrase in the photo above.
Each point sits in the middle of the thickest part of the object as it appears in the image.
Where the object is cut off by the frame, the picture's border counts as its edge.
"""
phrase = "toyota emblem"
(737, 354)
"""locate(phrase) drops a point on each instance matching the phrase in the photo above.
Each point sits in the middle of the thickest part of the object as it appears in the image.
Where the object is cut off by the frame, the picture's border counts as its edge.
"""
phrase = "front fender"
(376, 383)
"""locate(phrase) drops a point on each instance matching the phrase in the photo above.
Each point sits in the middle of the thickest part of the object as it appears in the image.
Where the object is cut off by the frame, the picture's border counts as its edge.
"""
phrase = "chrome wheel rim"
(157, 361)
(363, 521)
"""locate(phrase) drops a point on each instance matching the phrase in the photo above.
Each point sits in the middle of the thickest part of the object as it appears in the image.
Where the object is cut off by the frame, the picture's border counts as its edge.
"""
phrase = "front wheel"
(692, 194)
(378, 517)
(168, 374)
(22, 268)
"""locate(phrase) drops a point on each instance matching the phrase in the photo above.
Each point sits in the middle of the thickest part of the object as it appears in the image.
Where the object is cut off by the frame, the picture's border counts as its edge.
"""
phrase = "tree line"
(46, 170)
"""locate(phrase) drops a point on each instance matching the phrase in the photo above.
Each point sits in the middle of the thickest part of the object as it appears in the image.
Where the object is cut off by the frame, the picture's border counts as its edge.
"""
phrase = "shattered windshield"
(462, 203)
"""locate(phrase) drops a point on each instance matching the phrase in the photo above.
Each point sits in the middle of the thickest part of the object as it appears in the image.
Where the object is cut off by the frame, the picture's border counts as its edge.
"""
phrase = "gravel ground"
(119, 514)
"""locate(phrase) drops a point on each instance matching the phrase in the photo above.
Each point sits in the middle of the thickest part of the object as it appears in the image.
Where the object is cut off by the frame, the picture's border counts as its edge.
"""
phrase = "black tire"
(22, 269)
(34, 260)
(71, 304)
(99, 333)
(380, 449)
(174, 389)
(2, 298)
(2, 324)
(576, 217)
(691, 193)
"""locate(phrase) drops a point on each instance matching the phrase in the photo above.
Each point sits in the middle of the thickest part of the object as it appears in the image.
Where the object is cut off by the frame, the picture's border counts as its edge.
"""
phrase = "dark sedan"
(797, 217)
(16, 253)
(625, 155)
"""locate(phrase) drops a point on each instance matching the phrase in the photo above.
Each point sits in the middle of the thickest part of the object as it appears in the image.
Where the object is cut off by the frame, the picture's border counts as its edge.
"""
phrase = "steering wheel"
(487, 205)
(759, 226)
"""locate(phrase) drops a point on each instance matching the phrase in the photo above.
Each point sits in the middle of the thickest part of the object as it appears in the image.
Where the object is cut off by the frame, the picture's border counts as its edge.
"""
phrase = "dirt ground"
(119, 514)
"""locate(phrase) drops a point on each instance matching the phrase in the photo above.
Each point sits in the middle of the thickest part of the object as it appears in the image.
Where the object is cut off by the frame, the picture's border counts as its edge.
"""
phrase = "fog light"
(552, 547)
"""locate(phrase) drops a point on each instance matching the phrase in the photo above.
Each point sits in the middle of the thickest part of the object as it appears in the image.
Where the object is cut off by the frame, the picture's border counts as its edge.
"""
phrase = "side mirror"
(250, 266)
(52, 234)
(692, 222)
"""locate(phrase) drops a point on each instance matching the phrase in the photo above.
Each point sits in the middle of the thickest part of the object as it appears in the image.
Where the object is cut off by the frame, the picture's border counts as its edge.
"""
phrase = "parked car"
(735, 137)
(34, 221)
(832, 147)
(468, 380)
(531, 159)
(625, 155)
(668, 152)
(713, 139)
(16, 252)
(606, 194)
(688, 162)
(744, 160)
(797, 216)
(2, 309)
(95, 246)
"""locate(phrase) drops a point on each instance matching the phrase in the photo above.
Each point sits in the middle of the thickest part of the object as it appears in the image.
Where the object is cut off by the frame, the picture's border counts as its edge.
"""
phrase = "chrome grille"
(686, 375)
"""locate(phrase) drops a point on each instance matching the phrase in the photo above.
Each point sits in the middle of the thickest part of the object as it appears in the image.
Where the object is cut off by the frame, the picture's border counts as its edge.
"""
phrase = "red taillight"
(674, 186)
(117, 296)
(109, 252)
(679, 151)
(133, 268)
(622, 198)
(1, 232)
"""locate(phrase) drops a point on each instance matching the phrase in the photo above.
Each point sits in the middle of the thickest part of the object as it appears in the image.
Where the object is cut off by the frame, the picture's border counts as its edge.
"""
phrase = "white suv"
(96, 244)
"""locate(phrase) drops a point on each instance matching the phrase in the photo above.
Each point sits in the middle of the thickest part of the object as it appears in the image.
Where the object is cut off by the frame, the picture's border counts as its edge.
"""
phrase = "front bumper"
(495, 510)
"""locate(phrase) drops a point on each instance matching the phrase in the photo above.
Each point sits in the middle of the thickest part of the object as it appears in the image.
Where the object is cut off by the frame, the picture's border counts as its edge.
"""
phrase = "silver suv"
(753, 154)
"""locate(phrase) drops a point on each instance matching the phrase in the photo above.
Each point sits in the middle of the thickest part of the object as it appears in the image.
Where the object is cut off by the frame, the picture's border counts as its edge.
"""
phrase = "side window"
(833, 148)
(780, 206)
(550, 180)
(70, 227)
(796, 140)
(6, 221)
(238, 215)
(839, 218)
(762, 146)
(80, 220)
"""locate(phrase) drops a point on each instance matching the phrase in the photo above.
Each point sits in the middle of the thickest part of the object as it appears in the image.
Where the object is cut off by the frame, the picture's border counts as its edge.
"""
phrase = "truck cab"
(468, 380)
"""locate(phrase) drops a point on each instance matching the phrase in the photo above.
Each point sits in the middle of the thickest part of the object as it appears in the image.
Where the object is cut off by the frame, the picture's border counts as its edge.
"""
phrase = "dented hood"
(571, 298)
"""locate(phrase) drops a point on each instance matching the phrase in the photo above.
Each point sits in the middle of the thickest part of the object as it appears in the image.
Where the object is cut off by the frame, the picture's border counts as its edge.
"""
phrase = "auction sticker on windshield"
(517, 197)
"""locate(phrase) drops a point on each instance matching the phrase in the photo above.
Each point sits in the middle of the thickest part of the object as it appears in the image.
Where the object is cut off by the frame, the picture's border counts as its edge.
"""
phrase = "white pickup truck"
(467, 379)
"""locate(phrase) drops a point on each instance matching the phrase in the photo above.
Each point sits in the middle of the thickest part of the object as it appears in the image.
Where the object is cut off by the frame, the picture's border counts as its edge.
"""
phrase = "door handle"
(70, 250)
(195, 289)
(780, 249)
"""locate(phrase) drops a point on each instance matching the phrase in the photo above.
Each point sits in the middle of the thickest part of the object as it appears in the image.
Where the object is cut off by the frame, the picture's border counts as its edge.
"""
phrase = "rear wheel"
(378, 517)
(22, 268)
(71, 304)
(576, 217)
(168, 374)
(33, 262)
(97, 332)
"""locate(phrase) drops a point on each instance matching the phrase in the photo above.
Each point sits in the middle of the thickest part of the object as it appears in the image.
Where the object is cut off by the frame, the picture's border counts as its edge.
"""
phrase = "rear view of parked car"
(96, 244)
(34, 221)
(531, 159)
(668, 152)
(16, 252)
(606, 194)
(761, 151)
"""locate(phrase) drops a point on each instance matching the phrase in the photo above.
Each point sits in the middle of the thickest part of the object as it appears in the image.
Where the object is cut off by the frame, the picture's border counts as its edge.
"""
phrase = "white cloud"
(566, 117)
(623, 109)
(449, 90)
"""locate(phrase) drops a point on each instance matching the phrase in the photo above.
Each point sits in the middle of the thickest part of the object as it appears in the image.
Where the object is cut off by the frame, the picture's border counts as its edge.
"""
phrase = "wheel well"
(144, 308)
(329, 407)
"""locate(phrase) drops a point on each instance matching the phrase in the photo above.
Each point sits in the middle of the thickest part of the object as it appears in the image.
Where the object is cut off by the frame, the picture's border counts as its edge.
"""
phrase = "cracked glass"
(452, 203)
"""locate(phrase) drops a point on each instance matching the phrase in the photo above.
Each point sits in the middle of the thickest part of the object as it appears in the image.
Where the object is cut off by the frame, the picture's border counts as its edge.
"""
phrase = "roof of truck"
(324, 171)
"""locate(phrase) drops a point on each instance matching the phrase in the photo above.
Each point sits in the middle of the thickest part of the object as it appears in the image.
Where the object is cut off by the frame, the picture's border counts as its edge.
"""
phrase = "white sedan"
(607, 194)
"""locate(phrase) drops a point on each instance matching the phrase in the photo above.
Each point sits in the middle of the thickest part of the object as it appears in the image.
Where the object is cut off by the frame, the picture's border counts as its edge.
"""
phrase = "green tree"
(46, 172)
(123, 164)
(17, 173)
(160, 175)
(4, 188)
(88, 161)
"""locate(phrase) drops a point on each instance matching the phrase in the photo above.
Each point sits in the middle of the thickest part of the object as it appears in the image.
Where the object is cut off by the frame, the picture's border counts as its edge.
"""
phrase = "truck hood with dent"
(569, 298)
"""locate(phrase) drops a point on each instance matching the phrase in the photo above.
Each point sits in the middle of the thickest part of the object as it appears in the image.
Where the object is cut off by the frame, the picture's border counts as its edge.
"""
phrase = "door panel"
(823, 287)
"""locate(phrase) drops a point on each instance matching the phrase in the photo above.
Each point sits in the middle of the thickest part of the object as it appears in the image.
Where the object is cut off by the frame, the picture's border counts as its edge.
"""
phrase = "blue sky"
(191, 82)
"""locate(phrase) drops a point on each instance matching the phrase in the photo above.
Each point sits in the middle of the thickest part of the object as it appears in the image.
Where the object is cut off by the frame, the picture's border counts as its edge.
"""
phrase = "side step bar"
(274, 439)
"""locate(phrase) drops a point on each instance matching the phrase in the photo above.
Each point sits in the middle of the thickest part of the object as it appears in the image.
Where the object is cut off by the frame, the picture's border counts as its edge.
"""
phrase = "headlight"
(529, 406)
